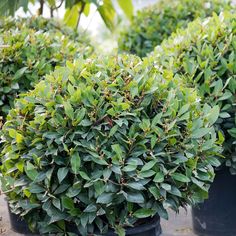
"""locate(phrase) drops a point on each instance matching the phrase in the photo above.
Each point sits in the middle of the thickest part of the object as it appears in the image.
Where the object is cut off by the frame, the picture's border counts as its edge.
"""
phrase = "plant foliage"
(27, 55)
(153, 24)
(101, 144)
(204, 55)
(42, 24)
(74, 9)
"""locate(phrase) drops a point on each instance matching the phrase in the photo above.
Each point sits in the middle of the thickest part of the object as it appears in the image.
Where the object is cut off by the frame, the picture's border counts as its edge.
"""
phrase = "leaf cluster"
(102, 144)
(151, 25)
(204, 56)
(28, 53)
(42, 24)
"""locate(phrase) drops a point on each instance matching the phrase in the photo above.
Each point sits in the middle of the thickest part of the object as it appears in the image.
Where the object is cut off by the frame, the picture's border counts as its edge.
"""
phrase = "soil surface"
(177, 225)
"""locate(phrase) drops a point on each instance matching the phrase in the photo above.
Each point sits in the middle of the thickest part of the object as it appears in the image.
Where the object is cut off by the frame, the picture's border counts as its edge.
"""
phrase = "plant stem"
(40, 12)
(80, 13)
(51, 12)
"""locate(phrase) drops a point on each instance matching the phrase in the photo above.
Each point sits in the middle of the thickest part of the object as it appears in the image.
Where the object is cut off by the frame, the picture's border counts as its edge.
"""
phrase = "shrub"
(42, 24)
(106, 143)
(153, 24)
(27, 55)
(204, 55)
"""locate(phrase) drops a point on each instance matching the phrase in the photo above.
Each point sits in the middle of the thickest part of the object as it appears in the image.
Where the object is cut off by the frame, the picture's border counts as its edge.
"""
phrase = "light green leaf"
(69, 110)
(68, 203)
(213, 115)
(75, 162)
(127, 7)
(149, 165)
(199, 133)
(107, 13)
(159, 177)
(180, 177)
(144, 213)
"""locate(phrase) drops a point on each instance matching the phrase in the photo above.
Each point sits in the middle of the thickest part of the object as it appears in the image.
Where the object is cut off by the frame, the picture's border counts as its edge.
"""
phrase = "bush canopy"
(28, 54)
(155, 23)
(204, 56)
(106, 143)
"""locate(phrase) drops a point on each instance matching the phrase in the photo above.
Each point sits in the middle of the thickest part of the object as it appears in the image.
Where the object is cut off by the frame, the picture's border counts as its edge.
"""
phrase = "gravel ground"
(178, 225)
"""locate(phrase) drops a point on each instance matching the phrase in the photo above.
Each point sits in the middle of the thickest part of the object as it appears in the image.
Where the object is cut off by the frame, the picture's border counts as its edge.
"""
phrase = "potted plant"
(157, 22)
(105, 147)
(46, 25)
(204, 56)
(27, 55)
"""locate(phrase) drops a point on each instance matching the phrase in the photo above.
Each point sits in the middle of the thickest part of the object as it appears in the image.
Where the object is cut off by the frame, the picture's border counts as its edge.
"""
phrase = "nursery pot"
(151, 227)
(18, 225)
(216, 216)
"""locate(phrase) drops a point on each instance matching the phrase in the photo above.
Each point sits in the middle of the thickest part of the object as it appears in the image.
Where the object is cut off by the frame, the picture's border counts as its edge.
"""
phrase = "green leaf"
(175, 191)
(127, 7)
(155, 192)
(135, 197)
(159, 177)
(214, 161)
(183, 109)
(30, 171)
(69, 110)
(75, 163)
(72, 15)
(213, 115)
(157, 119)
(20, 73)
(149, 165)
(162, 212)
(199, 133)
(180, 177)
(119, 230)
(62, 173)
(67, 203)
(90, 208)
(165, 186)
(107, 13)
(136, 185)
(117, 149)
(153, 141)
(105, 198)
(80, 114)
(146, 174)
(84, 175)
(129, 168)
(99, 187)
(144, 213)
(35, 188)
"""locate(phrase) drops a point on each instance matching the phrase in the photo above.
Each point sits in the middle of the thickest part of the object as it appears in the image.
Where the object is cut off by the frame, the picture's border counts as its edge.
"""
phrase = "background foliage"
(151, 25)
(74, 9)
(204, 55)
(27, 55)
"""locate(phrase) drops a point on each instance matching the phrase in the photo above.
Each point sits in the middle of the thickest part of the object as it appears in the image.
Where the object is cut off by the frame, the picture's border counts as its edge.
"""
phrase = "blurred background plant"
(73, 9)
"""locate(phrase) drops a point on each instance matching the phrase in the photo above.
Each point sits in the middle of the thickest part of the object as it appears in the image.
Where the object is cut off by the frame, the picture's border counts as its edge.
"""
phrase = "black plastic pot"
(217, 215)
(151, 228)
(17, 224)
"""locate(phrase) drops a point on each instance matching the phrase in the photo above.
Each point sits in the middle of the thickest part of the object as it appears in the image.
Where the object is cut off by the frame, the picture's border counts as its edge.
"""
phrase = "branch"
(56, 7)
(40, 11)
(51, 12)
(80, 13)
